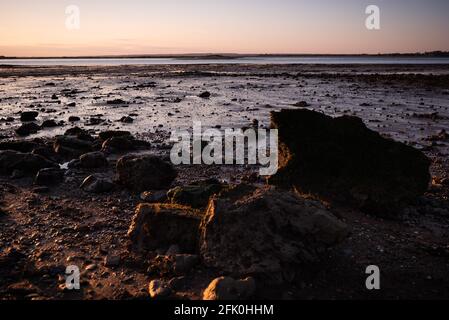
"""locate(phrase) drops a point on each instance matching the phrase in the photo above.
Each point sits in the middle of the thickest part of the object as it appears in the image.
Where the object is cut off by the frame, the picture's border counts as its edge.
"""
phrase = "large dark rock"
(142, 173)
(267, 233)
(71, 146)
(20, 146)
(340, 159)
(117, 145)
(156, 226)
(49, 177)
(27, 116)
(27, 128)
(24, 162)
(105, 135)
(93, 160)
(195, 195)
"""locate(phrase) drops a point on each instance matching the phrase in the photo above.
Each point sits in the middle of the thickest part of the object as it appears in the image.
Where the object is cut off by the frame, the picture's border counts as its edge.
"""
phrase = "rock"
(20, 146)
(93, 160)
(28, 116)
(342, 160)
(105, 135)
(160, 225)
(49, 177)
(25, 162)
(159, 289)
(74, 119)
(153, 197)
(117, 145)
(195, 195)
(266, 232)
(140, 173)
(173, 250)
(226, 288)
(49, 124)
(205, 95)
(97, 184)
(71, 146)
(301, 104)
(126, 119)
(177, 264)
(46, 152)
(116, 102)
(27, 128)
(111, 261)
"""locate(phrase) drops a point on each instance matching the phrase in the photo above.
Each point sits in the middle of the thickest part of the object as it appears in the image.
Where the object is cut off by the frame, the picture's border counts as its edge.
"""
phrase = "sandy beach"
(45, 228)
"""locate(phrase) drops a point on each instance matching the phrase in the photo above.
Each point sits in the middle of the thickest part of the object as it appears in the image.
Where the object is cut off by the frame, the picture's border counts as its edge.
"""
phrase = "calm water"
(258, 60)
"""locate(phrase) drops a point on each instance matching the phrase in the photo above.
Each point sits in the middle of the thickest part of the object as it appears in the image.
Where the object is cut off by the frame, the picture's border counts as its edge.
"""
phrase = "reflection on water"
(254, 60)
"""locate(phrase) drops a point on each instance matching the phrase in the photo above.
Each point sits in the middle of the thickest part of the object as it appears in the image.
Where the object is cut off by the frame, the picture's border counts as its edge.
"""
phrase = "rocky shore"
(86, 180)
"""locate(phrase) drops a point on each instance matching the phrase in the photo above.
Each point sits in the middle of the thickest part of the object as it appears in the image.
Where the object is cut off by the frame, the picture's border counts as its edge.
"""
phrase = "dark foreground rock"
(196, 195)
(27, 163)
(268, 233)
(27, 128)
(93, 160)
(226, 288)
(341, 159)
(49, 176)
(142, 173)
(157, 226)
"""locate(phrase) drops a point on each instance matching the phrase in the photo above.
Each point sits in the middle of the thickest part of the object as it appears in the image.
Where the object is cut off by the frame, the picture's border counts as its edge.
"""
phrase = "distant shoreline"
(231, 56)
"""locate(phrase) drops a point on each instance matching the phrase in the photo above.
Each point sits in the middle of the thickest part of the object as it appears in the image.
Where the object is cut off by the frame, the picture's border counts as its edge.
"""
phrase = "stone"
(28, 116)
(97, 184)
(266, 232)
(341, 160)
(153, 197)
(111, 261)
(177, 264)
(71, 146)
(126, 119)
(49, 124)
(141, 173)
(159, 289)
(160, 225)
(20, 146)
(226, 288)
(195, 195)
(105, 135)
(205, 95)
(117, 145)
(93, 160)
(49, 177)
(25, 162)
(74, 119)
(27, 128)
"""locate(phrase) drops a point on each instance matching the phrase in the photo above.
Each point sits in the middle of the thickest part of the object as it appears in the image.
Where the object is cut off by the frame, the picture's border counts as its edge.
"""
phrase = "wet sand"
(67, 225)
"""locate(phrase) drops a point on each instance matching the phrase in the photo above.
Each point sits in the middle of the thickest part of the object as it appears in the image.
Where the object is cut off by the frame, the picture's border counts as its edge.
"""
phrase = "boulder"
(142, 173)
(266, 233)
(49, 124)
(27, 128)
(49, 176)
(27, 163)
(71, 146)
(117, 145)
(159, 289)
(226, 288)
(93, 160)
(20, 146)
(156, 226)
(97, 184)
(195, 195)
(340, 159)
(28, 116)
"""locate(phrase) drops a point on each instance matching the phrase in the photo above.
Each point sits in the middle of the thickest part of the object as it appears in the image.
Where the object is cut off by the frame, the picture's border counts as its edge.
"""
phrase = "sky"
(118, 27)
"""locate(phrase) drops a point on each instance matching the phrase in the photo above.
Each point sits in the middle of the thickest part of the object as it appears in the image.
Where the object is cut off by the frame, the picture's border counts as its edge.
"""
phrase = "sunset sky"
(37, 28)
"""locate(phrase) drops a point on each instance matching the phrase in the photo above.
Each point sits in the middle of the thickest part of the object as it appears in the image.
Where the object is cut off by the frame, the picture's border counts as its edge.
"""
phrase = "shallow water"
(255, 60)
